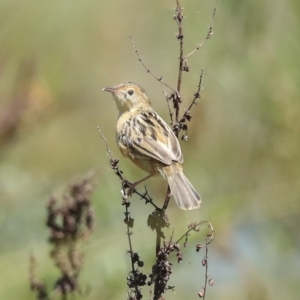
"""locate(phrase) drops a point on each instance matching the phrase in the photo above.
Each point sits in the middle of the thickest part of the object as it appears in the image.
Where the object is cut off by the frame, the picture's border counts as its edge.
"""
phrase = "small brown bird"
(147, 140)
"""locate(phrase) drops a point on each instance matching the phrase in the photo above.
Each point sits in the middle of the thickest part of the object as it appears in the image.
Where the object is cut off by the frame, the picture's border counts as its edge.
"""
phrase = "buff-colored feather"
(148, 141)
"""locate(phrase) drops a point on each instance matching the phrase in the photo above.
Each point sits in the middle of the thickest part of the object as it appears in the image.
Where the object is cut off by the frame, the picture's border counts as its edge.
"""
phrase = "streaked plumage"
(148, 141)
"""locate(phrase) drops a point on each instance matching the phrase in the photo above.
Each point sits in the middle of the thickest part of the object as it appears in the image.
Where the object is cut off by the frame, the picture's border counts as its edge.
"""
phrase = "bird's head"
(128, 96)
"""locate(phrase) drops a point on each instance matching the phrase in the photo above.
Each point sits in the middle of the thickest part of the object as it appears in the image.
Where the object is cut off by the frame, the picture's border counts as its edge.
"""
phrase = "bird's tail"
(183, 192)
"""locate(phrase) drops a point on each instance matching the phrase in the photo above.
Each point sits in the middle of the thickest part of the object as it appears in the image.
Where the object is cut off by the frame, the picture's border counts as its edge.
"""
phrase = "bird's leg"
(167, 199)
(131, 186)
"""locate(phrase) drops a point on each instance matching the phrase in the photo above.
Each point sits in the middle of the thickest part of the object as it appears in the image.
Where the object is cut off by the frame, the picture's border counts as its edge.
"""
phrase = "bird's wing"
(149, 137)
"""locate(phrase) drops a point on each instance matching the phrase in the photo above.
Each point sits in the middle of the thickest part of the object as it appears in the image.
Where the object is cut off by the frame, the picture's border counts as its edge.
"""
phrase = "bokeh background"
(242, 154)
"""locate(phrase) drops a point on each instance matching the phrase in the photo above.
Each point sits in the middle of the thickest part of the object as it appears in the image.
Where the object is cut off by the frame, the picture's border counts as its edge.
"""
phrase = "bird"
(149, 142)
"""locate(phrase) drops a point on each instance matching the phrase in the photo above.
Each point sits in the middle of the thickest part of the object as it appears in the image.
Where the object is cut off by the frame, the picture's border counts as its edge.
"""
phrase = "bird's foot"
(128, 185)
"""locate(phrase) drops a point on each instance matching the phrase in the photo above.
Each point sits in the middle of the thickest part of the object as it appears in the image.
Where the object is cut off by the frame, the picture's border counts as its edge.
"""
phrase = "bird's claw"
(128, 185)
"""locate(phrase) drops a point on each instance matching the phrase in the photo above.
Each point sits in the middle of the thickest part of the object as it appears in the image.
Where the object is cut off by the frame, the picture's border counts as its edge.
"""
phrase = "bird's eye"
(131, 92)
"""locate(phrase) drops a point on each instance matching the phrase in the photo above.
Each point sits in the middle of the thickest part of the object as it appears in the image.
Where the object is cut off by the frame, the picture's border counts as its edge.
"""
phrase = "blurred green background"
(242, 154)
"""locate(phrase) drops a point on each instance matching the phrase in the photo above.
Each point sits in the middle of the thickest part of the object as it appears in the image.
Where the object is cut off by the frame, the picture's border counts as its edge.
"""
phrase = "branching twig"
(162, 269)
(160, 79)
(196, 227)
(135, 278)
(181, 124)
(207, 279)
(114, 163)
(132, 282)
(145, 196)
(197, 95)
(176, 97)
(205, 264)
(178, 17)
(158, 219)
(208, 35)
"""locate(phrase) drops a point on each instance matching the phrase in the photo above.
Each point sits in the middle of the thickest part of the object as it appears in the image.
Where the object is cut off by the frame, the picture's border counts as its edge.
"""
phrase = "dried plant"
(157, 220)
(70, 224)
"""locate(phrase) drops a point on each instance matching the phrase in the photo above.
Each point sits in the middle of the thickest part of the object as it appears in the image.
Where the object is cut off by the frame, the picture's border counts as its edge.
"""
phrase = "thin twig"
(156, 294)
(208, 35)
(160, 79)
(181, 124)
(169, 107)
(206, 268)
(178, 17)
(147, 198)
(195, 227)
(208, 239)
(197, 95)
(128, 219)
(158, 245)
(176, 97)
(108, 151)
(133, 270)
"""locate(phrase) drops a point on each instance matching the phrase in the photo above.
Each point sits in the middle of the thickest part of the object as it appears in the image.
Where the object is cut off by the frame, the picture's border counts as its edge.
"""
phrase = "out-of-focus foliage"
(242, 154)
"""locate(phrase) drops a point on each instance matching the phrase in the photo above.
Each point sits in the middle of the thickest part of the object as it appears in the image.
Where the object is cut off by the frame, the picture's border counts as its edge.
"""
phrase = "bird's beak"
(109, 89)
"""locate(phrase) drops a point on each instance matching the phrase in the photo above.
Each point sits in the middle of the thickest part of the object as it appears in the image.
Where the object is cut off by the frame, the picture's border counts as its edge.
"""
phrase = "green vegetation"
(242, 154)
